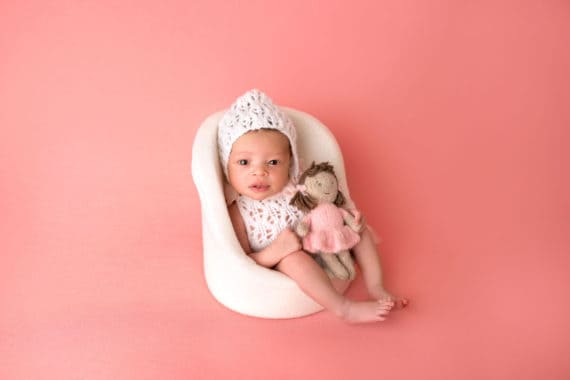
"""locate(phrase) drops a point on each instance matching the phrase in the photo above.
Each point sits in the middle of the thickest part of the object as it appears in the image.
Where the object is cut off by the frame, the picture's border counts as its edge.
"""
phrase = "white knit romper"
(265, 219)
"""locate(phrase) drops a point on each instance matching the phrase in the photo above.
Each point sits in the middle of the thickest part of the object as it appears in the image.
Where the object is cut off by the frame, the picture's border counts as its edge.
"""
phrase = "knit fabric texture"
(327, 231)
(253, 111)
(265, 219)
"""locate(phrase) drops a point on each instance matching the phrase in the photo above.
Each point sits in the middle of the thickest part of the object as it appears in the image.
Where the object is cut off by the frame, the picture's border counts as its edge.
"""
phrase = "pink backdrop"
(453, 117)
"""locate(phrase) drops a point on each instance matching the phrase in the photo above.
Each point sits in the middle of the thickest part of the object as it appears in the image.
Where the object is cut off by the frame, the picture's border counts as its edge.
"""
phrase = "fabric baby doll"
(328, 230)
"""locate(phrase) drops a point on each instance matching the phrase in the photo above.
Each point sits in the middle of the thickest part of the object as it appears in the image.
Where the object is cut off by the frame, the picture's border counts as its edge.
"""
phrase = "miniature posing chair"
(233, 278)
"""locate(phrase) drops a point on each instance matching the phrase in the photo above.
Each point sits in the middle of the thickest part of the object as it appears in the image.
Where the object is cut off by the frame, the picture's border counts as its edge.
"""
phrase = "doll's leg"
(335, 266)
(346, 260)
(369, 261)
(313, 280)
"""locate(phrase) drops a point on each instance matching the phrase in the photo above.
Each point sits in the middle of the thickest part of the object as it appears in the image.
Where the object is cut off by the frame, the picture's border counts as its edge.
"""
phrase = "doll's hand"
(358, 223)
(302, 229)
(286, 243)
(359, 220)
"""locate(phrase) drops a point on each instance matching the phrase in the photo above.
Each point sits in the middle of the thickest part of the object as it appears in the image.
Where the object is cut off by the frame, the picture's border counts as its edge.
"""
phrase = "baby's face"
(258, 166)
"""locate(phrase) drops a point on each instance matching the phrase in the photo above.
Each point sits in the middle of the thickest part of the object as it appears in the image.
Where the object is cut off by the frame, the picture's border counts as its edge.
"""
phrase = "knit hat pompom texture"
(253, 111)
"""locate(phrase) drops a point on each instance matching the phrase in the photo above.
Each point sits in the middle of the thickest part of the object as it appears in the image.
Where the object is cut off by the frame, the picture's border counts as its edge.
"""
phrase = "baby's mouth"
(259, 187)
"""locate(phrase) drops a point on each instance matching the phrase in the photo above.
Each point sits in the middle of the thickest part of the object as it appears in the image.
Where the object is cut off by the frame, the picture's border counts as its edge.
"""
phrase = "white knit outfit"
(264, 219)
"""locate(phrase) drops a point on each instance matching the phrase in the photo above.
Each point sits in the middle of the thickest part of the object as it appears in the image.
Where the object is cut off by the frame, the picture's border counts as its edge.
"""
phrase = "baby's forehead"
(267, 132)
(263, 136)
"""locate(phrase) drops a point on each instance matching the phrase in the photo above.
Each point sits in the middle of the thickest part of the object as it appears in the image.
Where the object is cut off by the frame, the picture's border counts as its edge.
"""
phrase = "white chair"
(233, 278)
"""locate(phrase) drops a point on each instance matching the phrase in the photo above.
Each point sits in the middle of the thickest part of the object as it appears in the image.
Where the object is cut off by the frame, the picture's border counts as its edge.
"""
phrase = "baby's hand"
(287, 242)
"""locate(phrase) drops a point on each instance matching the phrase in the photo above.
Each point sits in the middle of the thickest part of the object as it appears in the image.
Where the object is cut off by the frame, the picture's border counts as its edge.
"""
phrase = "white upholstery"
(233, 278)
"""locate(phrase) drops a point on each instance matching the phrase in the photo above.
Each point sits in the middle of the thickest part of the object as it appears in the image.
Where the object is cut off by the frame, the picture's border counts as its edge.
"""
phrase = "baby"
(258, 152)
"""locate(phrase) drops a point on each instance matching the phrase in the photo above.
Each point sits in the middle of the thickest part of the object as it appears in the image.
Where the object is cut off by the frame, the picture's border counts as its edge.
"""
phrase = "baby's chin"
(260, 194)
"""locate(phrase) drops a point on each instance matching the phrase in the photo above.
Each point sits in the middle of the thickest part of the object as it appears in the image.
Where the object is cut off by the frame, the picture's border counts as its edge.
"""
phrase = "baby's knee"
(294, 258)
(297, 256)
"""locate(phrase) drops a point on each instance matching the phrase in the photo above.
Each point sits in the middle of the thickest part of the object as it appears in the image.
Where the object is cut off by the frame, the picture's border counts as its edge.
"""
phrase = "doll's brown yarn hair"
(304, 201)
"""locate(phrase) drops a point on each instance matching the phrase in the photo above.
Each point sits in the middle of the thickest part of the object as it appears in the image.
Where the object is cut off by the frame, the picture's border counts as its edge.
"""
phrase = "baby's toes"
(386, 304)
(401, 303)
(383, 311)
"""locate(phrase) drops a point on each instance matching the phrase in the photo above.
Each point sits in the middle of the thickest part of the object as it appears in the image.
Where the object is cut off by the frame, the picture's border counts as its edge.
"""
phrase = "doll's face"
(258, 165)
(322, 187)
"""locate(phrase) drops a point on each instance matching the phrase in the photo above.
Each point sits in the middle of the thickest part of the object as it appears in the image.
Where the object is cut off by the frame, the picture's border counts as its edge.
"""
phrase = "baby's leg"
(367, 257)
(313, 280)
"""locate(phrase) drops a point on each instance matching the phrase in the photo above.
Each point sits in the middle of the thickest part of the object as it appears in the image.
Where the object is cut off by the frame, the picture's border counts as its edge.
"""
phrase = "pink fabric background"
(454, 120)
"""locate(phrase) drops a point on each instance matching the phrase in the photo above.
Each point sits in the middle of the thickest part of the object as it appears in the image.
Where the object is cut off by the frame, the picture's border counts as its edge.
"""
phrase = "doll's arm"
(286, 242)
(302, 228)
(359, 220)
(355, 220)
(350, 206)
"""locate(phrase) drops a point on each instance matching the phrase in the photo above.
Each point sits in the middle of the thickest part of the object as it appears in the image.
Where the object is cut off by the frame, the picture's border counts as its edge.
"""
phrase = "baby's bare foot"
(368, 311)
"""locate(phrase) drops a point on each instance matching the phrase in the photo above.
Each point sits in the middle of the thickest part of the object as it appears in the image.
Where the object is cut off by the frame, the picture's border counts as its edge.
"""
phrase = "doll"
(327, 230)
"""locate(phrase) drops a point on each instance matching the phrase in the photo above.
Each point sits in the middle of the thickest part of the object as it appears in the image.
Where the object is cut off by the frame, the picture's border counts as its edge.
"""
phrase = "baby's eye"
(242, 162)
(273, 162)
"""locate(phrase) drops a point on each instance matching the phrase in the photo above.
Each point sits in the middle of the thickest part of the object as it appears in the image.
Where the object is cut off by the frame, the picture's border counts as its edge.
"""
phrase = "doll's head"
(255, 111)
(318, 184)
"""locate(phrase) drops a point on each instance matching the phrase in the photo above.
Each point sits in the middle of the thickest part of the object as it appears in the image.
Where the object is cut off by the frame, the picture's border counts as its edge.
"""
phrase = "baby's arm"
(286, 242)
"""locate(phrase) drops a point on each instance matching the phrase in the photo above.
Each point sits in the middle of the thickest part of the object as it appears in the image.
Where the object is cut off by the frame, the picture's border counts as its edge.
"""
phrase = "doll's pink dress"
(327, 231)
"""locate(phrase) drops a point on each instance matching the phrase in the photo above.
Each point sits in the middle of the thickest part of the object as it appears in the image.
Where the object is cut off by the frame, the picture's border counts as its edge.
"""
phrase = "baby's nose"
(259, 170)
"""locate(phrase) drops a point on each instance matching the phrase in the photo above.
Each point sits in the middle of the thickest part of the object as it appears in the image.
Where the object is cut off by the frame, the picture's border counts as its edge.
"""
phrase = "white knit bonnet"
(250, 112)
